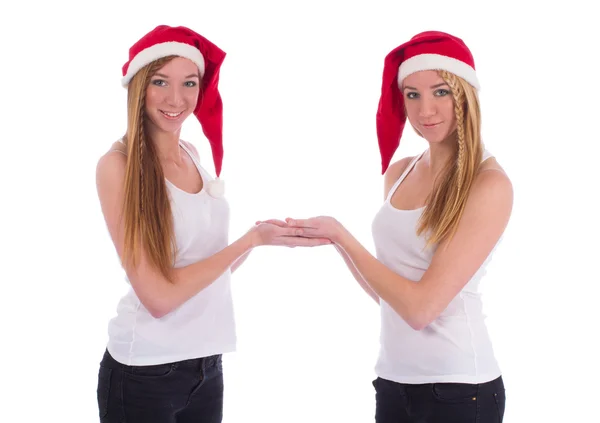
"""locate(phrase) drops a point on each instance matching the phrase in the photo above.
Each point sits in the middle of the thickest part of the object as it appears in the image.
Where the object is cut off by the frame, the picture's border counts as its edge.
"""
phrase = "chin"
(444, 138)
(170, 128)
(435, 140)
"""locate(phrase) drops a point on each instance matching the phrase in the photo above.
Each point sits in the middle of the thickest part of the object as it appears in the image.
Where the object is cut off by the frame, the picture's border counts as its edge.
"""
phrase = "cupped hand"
(277, 232)
(320, 227)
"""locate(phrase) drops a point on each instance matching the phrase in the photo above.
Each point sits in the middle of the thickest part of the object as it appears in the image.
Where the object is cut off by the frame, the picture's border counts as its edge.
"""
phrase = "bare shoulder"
(110, 168)
(490, 171)
(110, 176)
(116, 154)
(493, 186)
(117, 147)
(393, 173)
(491, 164)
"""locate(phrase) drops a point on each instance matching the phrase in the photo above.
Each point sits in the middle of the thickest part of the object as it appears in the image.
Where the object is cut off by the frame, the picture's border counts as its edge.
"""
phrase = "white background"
(300, 87)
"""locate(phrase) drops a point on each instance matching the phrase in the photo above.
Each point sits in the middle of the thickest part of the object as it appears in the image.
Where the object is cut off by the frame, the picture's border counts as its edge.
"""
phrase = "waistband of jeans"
(192, 363)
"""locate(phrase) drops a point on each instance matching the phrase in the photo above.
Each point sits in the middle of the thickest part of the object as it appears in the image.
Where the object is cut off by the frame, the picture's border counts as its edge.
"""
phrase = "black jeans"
(180, 392)
(439, 402)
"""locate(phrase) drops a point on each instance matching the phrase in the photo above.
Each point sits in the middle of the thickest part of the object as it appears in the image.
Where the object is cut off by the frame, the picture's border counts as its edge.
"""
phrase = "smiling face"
(172, 95)
(429, 105)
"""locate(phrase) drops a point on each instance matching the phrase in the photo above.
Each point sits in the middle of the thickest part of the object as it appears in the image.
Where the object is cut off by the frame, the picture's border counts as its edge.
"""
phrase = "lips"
(430, 125)
(170, 115)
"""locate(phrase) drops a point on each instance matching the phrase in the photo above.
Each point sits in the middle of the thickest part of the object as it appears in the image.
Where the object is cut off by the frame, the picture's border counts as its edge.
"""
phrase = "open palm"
(280, 234)
(320, 227)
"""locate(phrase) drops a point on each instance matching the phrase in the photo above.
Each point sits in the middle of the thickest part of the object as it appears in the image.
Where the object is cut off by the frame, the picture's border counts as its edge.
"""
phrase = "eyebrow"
(432, 87)
(192, 75)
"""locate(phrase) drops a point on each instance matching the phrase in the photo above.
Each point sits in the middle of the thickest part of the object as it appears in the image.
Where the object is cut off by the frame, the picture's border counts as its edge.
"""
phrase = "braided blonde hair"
(446, 203)
(146, 206)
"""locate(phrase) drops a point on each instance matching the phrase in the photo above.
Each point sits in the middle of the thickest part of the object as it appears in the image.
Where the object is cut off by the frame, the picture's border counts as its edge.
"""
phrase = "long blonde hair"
(446, 203)
(146, 207)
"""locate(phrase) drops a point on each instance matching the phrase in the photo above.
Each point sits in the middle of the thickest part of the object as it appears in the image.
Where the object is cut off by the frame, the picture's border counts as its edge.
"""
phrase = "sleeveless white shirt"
(202, 326)
(456, 346)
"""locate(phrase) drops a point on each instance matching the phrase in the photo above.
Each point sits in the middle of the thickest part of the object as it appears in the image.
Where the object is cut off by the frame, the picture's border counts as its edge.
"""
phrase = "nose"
(174, 96)
(427, 107)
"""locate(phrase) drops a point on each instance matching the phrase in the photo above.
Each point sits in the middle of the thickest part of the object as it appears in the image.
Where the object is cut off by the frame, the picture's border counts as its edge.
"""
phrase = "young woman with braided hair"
(169, 221)
(444, 213)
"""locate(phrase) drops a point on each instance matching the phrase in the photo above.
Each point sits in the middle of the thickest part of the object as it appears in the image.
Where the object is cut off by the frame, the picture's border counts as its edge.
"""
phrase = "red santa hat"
(180, 41)
(430, 50)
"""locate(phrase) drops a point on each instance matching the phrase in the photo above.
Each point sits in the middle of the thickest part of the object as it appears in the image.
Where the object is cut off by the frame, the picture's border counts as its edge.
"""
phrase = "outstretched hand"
(277, 232)
(320, 227)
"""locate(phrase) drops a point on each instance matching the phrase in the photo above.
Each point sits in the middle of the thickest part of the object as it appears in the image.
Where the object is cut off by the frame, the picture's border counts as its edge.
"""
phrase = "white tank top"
(202, 326)
(455, 347)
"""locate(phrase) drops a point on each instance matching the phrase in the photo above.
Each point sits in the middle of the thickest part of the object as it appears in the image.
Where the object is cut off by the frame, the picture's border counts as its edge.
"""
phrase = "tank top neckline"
(200, 173)
(388, 199)
(409, 168)
(198, 168)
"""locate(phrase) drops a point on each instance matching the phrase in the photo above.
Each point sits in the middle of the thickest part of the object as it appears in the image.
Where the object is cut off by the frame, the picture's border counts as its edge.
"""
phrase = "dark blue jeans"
(180, 392)
(439, 402)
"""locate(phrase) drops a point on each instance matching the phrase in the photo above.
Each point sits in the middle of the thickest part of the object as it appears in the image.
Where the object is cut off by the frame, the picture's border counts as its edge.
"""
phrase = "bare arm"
(485, 217)
(361, 281)
(155, 292)
(240, 260)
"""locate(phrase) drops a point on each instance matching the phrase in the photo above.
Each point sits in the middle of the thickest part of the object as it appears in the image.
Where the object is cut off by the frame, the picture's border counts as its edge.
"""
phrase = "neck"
(439, 156)
(167, 145)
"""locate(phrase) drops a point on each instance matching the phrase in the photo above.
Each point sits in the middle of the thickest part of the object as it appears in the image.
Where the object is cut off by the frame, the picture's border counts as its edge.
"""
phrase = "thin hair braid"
(142, 148)
(458, 95)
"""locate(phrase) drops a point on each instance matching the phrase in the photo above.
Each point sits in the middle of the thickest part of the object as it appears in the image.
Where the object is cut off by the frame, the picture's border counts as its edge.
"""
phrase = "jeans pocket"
(389, 388)
(152, 371)
(103, 390)
(500, 399)
(382, 385)
(455, 393)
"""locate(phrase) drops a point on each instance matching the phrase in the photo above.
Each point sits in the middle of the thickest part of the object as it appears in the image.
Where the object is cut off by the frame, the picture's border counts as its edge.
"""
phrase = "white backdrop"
(300, 86)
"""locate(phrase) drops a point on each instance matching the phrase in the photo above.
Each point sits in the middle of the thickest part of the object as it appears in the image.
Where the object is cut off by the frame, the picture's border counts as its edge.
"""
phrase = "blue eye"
(412, 95)
(190, 84)
(158, 82)
(442, 92)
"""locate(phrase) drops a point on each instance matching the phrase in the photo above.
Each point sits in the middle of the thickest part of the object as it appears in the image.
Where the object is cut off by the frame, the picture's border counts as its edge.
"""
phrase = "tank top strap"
(120, 140)
(410, 166)
(203, 172)
(195, 159)
(486, 155)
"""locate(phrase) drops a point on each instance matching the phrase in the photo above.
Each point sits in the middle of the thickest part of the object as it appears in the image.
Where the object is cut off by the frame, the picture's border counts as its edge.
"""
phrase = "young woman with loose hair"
(169, 221)
(443, 215)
